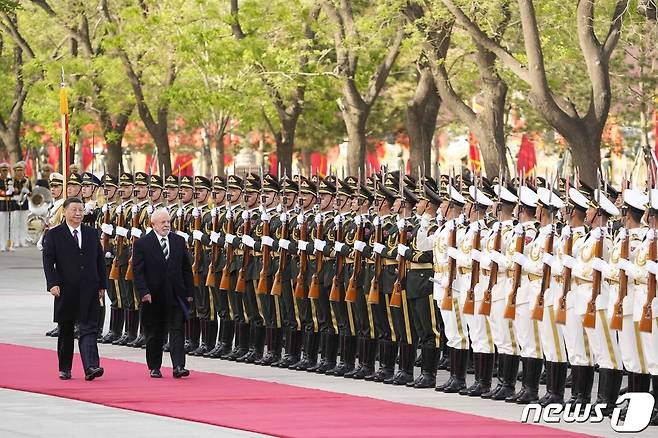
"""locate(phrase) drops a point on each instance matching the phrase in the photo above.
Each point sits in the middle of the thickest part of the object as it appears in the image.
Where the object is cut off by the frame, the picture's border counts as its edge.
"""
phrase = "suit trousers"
(155, 332)
(86, 344)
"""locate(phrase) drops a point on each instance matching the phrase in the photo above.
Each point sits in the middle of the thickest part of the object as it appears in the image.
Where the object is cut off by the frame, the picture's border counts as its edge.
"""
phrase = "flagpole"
(64, 112)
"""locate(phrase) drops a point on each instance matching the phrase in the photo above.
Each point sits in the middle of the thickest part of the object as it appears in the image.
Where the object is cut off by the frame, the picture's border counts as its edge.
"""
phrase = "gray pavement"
(26, 314)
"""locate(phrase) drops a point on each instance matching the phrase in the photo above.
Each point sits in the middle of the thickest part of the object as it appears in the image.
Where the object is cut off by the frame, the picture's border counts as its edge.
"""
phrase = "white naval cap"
(602, 200)
(549, 199)
(504, 194)
(577, 198)
(528, 196)
(635, 199)
(56, 176)
(654, 199)
(455, 196)
(479, 197)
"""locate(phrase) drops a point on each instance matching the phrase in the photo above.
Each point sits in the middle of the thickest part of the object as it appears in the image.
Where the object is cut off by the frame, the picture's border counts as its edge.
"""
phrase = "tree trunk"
(586, 155)
(161, 140)
(355, 123)
(422, 112)
(10, 138)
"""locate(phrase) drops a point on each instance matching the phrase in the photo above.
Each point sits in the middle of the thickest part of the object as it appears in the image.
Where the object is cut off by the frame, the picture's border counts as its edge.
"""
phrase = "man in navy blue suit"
(163, 279)
(74, 266)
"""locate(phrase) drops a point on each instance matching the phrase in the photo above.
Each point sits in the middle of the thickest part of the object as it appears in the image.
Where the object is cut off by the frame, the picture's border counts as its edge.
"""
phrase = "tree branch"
(235, 22)
(378, 79)
(11, 28)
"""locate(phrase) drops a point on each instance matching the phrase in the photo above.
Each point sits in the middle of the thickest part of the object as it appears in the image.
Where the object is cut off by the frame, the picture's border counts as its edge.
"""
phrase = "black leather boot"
(241, 346)
(524, 370)
(361, 351)
(486, 374)
(556, 375)
(311, 341)
(444, 362)
(111, 335)
(347, 356)
(384, 371)
(575, 377)
(608, 389)
(256, 345)
(510, 370)
(641, 382)
(452, 368)
(123, 329)
(293, 348)
(273, 340)
(429, 362)
(405, 372)
(203, 346)
(585, 383)
(532, 382)
(459, 380)
(367, 361)
(548, 369)
(329, 354)
(216, 352)
(499, 375)
(476, 371)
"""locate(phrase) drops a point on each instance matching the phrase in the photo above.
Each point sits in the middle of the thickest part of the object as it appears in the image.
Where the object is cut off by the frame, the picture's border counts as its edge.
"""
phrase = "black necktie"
(75, 236)
(165, 249)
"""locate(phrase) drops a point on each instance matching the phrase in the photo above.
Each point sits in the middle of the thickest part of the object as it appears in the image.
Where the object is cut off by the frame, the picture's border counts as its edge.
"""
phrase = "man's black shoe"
(180, 372)
(156, 374)
(65, 375)
(92, 373)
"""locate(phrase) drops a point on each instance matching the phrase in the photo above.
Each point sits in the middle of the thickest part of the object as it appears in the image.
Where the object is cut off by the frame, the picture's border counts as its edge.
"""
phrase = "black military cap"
(270, 183)
(431, 194)
(344, 188)
(289, 184)
(89, 179)
(75, 179)
(218, 182)
(352, 182)
(155, 181)
(252, 183)
(306, 186)
(171, 181)
(410, 196)
(365, 193)
(201, 182)
(586, 190)
(110, 180)
(56, 179)
(126, 179)
(234, 182)
(330, 179)
(392, 183)
(187, 181)
(141, 179)
(327, 187)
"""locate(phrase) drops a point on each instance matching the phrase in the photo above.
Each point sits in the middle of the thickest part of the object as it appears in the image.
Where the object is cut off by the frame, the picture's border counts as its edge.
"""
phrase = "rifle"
(303, 255)
(196, 265)
(350, 294)
(446, 302)
(400, 281)
(469, 305)
(647, 312)
(373, 294)
(276, 284)
(214, 254)
(510, 308)
(617, 319)
(337, 282)
(105, 243)
(589, 319)
(561, 315)
(485, 306)
(314, 289)
(538, 310)
(241, 283)
(261, 288)
(225, 281)
(114, 272)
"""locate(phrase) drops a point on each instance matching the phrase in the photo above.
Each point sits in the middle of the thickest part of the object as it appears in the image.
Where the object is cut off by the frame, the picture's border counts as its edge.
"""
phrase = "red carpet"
(268, 408)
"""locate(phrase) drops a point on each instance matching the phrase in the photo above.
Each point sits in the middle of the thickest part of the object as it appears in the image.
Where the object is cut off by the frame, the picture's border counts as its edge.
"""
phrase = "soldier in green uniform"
(109, 211)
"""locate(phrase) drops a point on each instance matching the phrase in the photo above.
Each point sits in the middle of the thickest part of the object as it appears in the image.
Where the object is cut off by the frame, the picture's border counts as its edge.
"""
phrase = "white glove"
(518, 230)
(104, 208)
(378, 248)
(622, 234)
(496, 227)
(318, 218)
(476, 255)
(596, 233)
(183, 235)
(357, 220)
(229, 213)
(453, 253)
(337, 219)
(265, 216)
(245, 215)
(485, 261)
(196, 212)
(123, 232)
(424, 223)
(474, 227)
(650, 234)
(548, 259)
(566, 231)
(134, 209)
(300, 218)
(214, 236)
(402, 249)
(557, 267)
(267, 241)
(519, 258)
(197, 235)
(179, 212)
(284, 217)
(230, 237)
(248, 240)
(600, 265)
(284, 243)
(25, 190)
(497, 258)
(376, 221)
(279, 208)
(400, 223)
(40, 244)
(148, 230)
(625, 266)
(213, 212)
(107, 229)
(450, 225)
(10, 191)
(149, 210)
(338, 246)
(136, 232)
(359, 245)
(319, 245)
(302, 244)
(652, 267)
(568, 261)
(108, 255)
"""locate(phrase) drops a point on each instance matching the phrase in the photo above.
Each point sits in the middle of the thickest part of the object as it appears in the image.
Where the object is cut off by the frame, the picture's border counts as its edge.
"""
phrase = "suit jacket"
(169, 281)
(79, 272)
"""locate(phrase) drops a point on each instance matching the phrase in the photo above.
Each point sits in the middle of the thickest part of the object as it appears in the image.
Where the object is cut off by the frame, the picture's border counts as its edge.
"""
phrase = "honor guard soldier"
(383, 274)
(156, 193)
(74, 186)
(90, 184)
(649, 320)
(6, 194)
(170, 194)
(204, 302)
(55, 217)
(21, 207)
(499, 249)
(283, 263)
(107, 218)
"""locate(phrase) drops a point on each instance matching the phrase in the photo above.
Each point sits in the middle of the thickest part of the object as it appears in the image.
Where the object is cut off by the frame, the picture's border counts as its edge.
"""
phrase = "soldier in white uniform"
(650, 339)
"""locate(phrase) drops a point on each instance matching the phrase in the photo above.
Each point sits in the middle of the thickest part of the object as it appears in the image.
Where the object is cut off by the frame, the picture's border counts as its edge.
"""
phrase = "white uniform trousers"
(603, 342)
(573, 332)
(21, 227)
(453, 320)
(4, 229)
(633, 354)
(650, 344)
(527, 329)
(479, 328)
(552, 338)
(15, 228)
(502, 329)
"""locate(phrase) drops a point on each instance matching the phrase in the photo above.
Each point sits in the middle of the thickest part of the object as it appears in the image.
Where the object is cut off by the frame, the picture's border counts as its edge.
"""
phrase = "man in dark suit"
(163, 278)
(74, 265)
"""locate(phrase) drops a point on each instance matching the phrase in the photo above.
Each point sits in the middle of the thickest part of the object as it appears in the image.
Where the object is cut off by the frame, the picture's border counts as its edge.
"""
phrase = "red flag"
(318, 164)
(183, 165)
(655, 129)
(473, 154)
(527, 159)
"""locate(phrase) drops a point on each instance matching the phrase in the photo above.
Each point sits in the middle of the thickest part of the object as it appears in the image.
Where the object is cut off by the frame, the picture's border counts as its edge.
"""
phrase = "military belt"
(414, 266)
(534, 277)
(464, 271)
